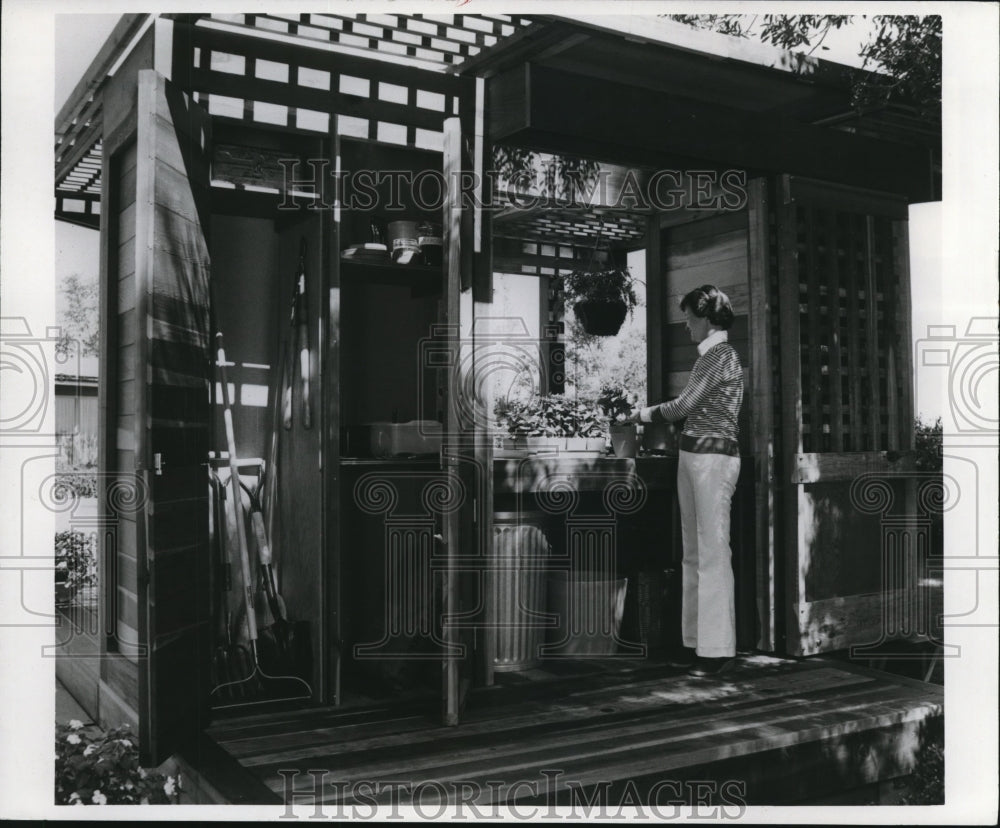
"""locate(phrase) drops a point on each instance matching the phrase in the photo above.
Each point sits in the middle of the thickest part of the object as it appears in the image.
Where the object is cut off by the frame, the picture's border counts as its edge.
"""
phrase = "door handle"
(158, 464)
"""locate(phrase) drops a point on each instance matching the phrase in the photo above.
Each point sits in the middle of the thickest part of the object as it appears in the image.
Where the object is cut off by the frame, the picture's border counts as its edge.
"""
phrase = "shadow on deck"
(605, 732)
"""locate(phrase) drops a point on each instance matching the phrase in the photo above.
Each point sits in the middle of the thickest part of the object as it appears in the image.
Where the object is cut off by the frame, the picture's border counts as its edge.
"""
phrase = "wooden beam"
(87, 86)
(534, 42)
(554, 111)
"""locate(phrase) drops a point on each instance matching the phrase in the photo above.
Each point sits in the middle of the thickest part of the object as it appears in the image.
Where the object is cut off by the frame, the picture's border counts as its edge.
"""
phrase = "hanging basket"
(601, 318)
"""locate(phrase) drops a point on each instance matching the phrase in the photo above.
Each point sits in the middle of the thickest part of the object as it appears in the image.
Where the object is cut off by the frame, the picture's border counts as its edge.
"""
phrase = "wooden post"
(655, 317)
(762, 401)
(791, 409)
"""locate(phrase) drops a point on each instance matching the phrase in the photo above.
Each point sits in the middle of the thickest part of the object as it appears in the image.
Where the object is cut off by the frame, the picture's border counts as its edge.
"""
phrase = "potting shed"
(238, 166)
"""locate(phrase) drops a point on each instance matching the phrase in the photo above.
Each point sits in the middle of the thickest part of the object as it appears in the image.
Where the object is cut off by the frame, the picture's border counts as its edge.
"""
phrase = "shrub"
(927, 440)
(98, 768)
(76, 560)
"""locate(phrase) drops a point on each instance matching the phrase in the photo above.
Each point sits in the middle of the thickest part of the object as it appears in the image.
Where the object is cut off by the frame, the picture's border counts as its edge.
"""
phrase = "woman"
(708, 467)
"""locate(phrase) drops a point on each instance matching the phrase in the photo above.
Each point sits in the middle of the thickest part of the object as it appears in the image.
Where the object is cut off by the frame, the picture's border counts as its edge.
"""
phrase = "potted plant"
(601, 298)
(617, 403)
(550, 421)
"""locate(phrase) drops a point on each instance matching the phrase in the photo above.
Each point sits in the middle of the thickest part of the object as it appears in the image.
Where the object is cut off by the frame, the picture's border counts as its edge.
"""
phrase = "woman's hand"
(635, 416)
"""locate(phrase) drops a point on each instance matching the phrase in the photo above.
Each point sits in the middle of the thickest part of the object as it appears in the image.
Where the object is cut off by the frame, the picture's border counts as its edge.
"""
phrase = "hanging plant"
(600, 297)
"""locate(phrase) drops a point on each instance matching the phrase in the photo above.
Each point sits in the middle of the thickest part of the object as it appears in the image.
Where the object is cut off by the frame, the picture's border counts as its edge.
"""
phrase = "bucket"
(589, 607)
(431, 244)
(518, 591)
(403, 246)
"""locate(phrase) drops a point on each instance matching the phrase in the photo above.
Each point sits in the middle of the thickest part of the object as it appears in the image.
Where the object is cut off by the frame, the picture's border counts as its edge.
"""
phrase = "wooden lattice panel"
(441, 40)
(573, 226)
(258, 81)
(85, 176)
(849, 331)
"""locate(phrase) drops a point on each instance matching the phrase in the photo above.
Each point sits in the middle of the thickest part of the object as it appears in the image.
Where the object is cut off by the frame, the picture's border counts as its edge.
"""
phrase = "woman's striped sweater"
(710, 401)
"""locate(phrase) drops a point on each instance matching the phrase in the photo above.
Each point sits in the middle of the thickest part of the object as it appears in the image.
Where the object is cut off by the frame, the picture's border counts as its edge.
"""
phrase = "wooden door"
(172, 406)
(463, 474)
(843, 331)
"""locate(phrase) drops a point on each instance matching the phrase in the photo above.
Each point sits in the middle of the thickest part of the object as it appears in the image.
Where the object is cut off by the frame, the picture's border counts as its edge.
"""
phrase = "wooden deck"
(769, 731)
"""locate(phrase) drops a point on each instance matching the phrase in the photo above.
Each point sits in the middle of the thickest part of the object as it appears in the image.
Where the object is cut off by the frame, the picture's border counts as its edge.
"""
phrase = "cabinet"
(389, 589)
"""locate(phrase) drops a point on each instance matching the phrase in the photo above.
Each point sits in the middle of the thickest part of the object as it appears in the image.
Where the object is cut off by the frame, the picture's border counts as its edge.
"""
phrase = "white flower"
(169, 787)
(74, 798)
(75, 724)
(73, 739)
(62, 565)
(89, 749)
(99, 798)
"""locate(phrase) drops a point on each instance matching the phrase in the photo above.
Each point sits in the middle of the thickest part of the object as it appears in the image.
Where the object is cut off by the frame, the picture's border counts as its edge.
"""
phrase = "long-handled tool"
(300, 335)
(279, 625)
(273, 687)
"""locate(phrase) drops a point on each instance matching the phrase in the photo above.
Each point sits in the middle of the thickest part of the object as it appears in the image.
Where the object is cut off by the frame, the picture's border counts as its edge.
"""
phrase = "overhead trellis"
(445, 39)
(78, 194)
(570, 225)
(434, 43)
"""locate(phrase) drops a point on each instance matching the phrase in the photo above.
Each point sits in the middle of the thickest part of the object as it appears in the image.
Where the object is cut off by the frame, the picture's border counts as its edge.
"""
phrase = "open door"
(173, 354)
(461, 594)
(843, 334)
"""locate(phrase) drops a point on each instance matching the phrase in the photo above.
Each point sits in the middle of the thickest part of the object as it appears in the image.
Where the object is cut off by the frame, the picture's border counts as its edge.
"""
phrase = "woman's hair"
(709, 302)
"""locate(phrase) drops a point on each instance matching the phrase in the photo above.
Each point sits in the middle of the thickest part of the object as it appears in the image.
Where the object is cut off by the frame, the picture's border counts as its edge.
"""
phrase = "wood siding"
(709, 251)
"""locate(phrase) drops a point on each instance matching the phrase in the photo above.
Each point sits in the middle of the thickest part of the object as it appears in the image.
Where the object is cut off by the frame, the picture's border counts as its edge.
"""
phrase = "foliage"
(593, 361)
(78, 317)
(927, 445)
(75, 560)
(617, 402)
(613, 285)
(927, 783)
(906, 49)
(77, 452)
(98, 768)
(82, 484)
(553, 175)
(550, 415)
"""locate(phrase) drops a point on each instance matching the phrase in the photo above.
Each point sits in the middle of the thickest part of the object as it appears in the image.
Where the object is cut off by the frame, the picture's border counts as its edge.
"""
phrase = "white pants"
(705, 486)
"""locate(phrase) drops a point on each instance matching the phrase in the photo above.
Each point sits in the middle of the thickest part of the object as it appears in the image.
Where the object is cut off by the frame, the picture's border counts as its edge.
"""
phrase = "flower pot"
(601, 318)
(592, 445)
(624, 439)
(544, 444)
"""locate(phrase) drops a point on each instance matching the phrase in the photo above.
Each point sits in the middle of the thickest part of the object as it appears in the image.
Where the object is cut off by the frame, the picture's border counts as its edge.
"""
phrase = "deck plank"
(668, 740)
(632, 722)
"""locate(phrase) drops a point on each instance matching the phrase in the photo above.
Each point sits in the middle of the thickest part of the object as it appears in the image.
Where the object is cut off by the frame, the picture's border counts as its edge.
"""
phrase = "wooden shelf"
(424, 280)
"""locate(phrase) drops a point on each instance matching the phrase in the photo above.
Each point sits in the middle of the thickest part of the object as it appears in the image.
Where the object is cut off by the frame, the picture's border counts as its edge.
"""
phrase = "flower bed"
(94, 767)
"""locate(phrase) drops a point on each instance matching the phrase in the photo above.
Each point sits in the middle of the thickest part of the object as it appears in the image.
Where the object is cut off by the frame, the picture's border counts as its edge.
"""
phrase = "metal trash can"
(518, 565)
(589, 606)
